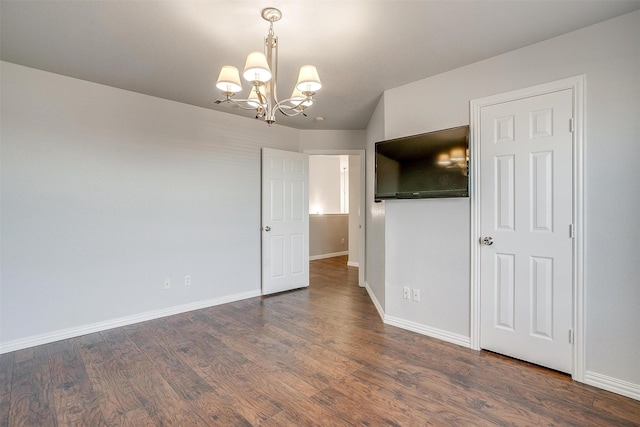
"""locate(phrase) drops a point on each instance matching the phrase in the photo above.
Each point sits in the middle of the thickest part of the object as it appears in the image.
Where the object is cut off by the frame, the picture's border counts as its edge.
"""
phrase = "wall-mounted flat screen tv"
(428, 165)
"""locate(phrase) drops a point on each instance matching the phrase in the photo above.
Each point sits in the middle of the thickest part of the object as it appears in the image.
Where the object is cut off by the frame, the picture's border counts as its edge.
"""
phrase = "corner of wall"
(375, 263)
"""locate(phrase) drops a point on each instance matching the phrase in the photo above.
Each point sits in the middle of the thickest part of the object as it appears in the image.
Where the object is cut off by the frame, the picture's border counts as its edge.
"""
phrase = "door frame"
(578, 86)
(363, 225)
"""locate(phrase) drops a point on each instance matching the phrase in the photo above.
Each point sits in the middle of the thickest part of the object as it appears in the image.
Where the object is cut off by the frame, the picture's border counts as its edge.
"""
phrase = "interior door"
(525, 219)
(285, 220)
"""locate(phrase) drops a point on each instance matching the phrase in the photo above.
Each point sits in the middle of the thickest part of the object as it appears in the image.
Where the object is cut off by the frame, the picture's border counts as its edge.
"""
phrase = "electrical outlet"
(187, 280)
(416, 294)
(167, 283)
(406, 292)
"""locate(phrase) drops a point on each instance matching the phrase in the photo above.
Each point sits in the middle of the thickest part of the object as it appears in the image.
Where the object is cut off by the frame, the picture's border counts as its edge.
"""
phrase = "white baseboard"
(353, 264)
(375, 301)
(417, 327)
(429, 331)
(323, 256)
(613, 385)
(64, 334)
(604, 382)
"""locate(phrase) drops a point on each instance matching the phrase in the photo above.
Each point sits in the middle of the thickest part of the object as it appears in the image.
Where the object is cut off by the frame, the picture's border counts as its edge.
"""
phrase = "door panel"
(526, 208)
(285, 221)
(505, 197)
(505, 291)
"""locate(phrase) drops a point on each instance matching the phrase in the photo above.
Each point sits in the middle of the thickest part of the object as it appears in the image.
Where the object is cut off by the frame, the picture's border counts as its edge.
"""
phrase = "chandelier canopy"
(261, 71)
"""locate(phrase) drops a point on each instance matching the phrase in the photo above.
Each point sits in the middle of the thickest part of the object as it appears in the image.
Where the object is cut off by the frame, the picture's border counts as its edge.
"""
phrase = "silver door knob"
(486, 241)
(267, 228)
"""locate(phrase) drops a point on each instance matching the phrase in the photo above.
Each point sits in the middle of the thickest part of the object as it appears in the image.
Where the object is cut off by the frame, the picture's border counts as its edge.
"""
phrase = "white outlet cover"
(416, 294)
(187, 280)
(167, 283)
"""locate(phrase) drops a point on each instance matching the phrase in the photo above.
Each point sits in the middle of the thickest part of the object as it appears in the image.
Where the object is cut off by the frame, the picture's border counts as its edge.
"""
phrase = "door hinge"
(572, 232)
(570, 336)
(571, 125)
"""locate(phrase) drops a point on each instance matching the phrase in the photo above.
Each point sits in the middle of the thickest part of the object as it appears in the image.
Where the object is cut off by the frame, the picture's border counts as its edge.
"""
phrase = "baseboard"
(375, 301)
(417, 327)
(323, 256)
(429, 331)
(64, 334)
(613, 385)
(353, 264)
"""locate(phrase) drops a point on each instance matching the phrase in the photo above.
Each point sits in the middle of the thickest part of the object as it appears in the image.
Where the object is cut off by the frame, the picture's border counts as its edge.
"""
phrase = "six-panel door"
(526, 209)
(285, 220)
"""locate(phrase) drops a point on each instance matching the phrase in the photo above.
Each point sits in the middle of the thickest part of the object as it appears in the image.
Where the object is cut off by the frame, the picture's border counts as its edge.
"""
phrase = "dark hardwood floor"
(318, 356)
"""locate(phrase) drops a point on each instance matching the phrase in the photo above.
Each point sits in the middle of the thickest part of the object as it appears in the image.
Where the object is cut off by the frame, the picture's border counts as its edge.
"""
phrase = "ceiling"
(174, 49)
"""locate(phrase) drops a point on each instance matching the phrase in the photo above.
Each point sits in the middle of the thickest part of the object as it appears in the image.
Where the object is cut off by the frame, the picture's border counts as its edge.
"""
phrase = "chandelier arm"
(288, 114)
(291, 111)
(296, 104)
(237, 103)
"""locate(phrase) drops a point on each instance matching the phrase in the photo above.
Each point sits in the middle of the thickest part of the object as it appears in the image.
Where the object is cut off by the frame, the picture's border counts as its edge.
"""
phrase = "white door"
(285, 220)
(525, 220)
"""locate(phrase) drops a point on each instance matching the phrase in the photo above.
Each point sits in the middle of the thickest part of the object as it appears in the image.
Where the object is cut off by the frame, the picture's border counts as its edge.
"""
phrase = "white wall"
(332, 140)
(328, 235)
(324, 184)
(609, 55)
(105, 193)
(427, 245)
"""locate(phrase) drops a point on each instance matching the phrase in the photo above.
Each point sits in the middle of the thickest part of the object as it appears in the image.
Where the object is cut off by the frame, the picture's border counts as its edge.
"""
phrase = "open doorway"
(336, 207)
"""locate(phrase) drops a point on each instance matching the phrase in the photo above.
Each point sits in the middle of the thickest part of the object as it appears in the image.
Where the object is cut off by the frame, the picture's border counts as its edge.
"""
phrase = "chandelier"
(261, 71)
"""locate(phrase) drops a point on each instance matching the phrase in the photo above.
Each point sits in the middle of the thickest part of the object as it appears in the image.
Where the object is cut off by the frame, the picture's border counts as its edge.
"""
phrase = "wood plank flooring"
(313, 357)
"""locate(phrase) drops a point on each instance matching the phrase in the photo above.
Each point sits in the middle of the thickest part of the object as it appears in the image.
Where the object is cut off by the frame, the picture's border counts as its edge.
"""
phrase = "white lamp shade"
(256, 68)
(229, 80)
(298, 97)
(253, 99)
(458, 155)
(308, 79)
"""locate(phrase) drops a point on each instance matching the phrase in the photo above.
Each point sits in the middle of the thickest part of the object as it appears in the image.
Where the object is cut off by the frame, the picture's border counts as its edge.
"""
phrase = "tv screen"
(433, 164)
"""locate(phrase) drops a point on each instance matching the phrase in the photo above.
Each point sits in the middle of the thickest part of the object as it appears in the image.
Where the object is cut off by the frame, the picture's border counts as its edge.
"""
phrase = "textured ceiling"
(174, 49)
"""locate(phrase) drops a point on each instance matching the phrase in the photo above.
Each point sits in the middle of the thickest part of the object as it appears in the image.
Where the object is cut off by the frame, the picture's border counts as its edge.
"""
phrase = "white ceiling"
(174, 49)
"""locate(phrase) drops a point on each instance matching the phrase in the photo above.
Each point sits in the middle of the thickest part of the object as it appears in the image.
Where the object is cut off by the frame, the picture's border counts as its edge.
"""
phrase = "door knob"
(267, 228)
(486, 241)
